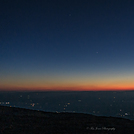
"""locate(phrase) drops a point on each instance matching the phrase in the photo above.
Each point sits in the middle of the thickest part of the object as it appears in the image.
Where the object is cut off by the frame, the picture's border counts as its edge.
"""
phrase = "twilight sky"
(66, 45)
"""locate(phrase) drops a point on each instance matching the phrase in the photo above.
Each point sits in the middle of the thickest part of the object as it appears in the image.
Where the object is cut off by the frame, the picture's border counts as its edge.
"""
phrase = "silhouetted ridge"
(19, 120)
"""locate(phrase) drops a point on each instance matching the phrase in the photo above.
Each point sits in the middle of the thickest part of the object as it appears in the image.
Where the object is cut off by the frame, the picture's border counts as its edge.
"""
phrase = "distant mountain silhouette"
(24, 121)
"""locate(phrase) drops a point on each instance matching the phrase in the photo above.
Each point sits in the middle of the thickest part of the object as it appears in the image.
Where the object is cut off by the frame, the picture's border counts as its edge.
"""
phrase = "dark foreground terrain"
(24, 121)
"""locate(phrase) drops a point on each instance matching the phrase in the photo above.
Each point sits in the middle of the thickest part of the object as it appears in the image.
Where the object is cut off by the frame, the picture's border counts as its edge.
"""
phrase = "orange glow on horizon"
(67, 88)
(68, 83)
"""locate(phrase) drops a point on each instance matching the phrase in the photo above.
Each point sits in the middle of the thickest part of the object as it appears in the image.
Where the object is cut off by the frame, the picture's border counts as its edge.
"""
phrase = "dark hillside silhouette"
(19, 121)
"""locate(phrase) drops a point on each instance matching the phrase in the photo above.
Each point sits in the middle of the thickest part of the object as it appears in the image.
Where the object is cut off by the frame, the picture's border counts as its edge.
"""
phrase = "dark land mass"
(24, 121)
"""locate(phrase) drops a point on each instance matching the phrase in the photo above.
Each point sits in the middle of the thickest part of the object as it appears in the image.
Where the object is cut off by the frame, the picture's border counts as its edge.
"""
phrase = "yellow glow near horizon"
(80, 83)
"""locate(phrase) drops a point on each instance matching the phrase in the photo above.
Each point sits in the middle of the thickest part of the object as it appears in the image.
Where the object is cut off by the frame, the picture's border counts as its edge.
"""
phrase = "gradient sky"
(66, 45)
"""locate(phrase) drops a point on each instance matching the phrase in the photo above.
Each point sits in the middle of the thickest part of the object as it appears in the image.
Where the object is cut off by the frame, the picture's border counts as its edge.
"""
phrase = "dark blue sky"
(66, 43)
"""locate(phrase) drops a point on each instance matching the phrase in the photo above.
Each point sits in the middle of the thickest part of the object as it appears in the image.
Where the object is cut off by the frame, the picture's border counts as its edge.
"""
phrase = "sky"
(75, 45)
